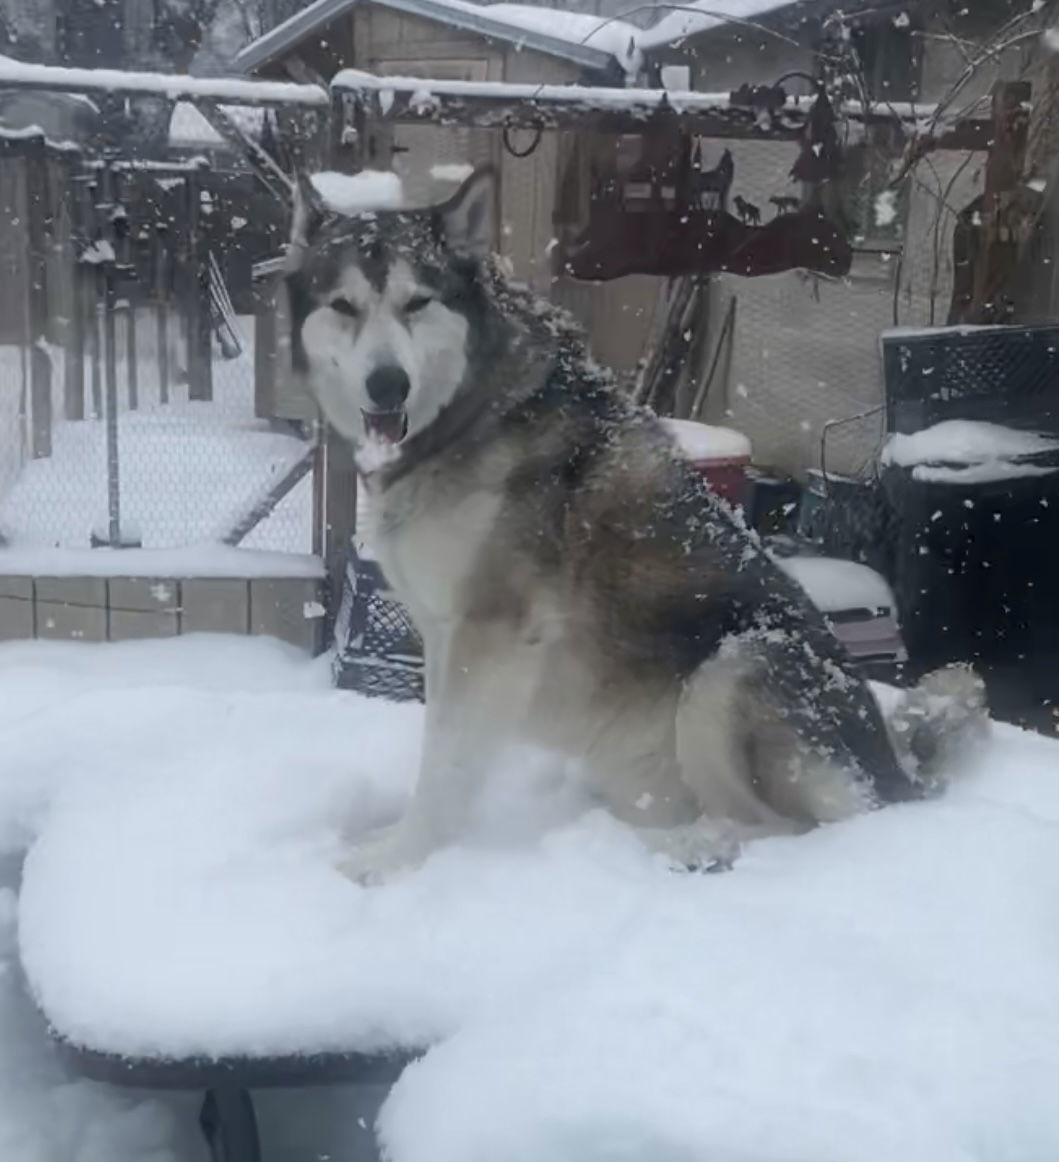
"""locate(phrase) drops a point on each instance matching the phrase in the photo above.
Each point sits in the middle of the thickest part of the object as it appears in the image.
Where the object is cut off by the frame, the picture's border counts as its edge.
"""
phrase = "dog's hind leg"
(631, 764)
(748, 765)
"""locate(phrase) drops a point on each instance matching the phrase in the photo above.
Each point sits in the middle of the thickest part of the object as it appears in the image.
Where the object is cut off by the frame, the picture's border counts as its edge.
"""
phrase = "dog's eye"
(344, 307)
(417, 303)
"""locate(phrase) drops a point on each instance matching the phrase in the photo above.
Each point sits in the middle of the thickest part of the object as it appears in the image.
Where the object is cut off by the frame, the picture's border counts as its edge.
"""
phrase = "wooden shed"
(449, 40)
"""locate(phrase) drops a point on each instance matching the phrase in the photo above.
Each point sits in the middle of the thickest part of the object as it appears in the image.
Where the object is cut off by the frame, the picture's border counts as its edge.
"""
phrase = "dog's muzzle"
(390, 427)
(388, 387)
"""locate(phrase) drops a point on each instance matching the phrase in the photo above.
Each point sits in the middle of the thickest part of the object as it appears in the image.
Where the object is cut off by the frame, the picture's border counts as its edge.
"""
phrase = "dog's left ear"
(468, 219)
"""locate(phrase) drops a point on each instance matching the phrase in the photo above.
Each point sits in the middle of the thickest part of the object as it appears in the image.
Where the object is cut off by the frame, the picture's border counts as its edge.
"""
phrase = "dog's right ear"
(308, 212)
(468, 219)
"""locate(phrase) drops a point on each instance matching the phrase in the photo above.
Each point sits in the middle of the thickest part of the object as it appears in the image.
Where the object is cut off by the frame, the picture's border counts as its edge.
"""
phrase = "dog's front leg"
(481, 683)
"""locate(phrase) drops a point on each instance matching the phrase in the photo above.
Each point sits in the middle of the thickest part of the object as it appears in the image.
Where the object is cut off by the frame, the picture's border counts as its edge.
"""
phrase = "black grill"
(1005, 375)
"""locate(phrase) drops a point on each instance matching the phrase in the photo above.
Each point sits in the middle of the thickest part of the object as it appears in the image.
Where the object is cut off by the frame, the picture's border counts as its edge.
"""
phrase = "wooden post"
(74, 363)
(76, 331)
(35, 195)
(127, 259)
(162, 268)
(95, 299)
(339, 511)
(196, 304)
(110, 361)
(991, 245)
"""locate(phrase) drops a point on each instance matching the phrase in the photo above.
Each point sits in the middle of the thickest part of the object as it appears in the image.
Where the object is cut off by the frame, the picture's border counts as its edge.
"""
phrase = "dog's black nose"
(388, 388)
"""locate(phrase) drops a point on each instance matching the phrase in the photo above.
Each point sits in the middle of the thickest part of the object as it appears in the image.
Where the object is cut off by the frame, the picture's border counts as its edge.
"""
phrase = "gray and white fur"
(578, 587)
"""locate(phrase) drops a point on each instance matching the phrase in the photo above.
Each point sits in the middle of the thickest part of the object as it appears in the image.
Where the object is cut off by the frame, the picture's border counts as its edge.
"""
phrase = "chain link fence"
(794, 358)
(147, 433)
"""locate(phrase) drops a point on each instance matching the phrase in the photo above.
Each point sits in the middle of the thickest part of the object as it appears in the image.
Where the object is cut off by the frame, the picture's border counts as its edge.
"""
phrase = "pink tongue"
(388, 426)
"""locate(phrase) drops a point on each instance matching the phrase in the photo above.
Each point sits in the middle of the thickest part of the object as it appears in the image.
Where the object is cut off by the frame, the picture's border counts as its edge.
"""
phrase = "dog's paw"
(384, 854)
(703, 846)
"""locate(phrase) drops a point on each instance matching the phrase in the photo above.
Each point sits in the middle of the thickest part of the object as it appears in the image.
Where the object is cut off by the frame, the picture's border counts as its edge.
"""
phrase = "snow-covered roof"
(616, 37)
(543, 30)
(188, 127)
(700, 16)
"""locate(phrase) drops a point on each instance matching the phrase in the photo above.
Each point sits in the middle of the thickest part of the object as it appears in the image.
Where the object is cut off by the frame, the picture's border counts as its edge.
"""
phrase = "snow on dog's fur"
(578, 587)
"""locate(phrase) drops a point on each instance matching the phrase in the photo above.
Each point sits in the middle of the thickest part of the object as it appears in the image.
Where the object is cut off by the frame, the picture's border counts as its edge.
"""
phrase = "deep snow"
(879, 989)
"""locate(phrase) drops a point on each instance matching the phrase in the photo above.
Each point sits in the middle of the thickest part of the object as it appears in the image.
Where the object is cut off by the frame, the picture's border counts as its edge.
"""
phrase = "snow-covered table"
(227, 1118)
(167, 948)
(880, 989)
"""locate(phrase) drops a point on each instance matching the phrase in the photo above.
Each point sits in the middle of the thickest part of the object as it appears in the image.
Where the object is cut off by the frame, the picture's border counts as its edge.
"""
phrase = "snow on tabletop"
(834, 584)
(172, 85)
(202, 560)
(968, 451)
(878, 989)
(359, 193)
(706, 442)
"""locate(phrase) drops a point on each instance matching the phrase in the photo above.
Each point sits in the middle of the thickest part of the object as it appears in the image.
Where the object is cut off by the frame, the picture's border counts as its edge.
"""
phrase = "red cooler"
(722, 455)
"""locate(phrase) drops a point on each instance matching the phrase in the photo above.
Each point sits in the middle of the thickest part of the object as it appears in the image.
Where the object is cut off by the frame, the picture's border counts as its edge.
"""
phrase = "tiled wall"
(122, 608)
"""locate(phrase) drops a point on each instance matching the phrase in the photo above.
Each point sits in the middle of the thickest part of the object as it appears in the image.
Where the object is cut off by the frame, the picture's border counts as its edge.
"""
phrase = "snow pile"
(835, 585)
(879, 989)
(359, 193)
(970, 451)
(704, 442)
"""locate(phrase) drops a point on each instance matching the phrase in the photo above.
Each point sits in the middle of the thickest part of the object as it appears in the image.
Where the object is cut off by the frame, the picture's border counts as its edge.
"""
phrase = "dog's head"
(385, 305)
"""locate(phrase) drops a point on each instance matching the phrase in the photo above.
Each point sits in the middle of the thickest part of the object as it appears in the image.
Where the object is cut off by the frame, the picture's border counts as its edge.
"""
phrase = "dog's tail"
(936, 724)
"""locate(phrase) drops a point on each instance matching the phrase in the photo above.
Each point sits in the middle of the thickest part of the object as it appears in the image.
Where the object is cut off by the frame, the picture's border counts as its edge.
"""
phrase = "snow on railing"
(232, 90)
(429, 98)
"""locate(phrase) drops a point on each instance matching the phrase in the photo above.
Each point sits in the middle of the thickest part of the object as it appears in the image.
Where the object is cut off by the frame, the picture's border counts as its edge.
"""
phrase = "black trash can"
(976, 579)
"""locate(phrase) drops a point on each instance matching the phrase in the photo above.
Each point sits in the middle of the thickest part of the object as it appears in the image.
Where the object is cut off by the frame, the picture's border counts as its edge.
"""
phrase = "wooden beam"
(496, 105)
(21, 76)
(271, 175)
(999, 228)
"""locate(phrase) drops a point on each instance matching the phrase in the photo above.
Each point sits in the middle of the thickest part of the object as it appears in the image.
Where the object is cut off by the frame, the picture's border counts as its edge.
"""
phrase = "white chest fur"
(428, 543)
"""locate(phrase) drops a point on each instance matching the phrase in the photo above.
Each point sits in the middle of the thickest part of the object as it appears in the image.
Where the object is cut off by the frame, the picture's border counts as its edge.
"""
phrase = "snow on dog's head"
(383, 303)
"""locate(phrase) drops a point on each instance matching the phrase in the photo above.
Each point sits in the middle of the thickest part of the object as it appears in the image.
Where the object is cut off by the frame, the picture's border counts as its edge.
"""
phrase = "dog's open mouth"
(388, 427)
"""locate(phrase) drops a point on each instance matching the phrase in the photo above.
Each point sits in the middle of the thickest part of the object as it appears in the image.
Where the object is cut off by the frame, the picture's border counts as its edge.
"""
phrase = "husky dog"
(577, 585)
